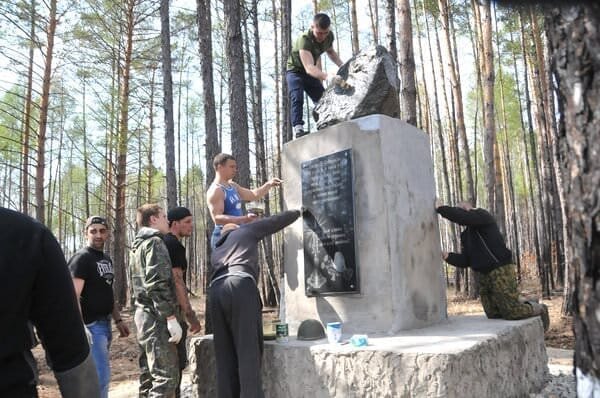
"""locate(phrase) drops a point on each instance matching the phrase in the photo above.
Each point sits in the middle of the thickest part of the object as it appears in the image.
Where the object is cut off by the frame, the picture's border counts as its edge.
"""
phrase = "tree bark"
(406, 59)
(456, 87)
(354, 19)
(120, 236)
(27, 115)
(487, 53)
(286, 46)
(575, 42)
(165, 46)
(40, 211)
(390, 22)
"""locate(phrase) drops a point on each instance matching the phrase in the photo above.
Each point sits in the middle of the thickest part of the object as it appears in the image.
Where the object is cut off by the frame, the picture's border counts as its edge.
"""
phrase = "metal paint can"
(281, 331)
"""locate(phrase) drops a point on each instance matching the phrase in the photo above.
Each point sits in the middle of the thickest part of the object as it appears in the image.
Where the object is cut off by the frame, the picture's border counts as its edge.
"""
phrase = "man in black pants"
(181, 225)
(38, 289)
(236, 305)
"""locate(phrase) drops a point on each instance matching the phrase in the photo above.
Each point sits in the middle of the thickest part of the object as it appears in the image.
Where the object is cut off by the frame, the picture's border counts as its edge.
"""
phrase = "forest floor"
(124, 351)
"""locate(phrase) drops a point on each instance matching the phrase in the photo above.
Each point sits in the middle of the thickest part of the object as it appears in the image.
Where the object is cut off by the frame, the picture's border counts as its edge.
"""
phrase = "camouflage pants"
(159, 363)
(499, 295)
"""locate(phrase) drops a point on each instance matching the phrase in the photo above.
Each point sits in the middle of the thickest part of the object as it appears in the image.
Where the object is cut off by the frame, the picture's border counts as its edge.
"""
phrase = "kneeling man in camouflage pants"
(484, 251)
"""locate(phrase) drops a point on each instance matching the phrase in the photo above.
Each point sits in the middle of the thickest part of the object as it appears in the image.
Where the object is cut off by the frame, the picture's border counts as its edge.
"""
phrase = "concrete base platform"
(466, 356)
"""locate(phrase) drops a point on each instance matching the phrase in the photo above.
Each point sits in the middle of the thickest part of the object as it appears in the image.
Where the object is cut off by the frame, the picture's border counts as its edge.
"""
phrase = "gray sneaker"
(299, 131)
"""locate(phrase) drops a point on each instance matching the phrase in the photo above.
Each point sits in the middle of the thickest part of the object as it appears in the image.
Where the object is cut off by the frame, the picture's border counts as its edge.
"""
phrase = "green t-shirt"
(307, 42)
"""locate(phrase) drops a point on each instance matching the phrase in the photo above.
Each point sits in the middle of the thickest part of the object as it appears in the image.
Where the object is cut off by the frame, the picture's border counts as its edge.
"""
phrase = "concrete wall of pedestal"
(463, 357)
(396, 229)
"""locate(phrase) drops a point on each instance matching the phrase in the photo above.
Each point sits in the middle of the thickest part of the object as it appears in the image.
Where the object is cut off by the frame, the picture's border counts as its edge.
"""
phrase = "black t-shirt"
(176, 252)
(36, 288)
(96, 269)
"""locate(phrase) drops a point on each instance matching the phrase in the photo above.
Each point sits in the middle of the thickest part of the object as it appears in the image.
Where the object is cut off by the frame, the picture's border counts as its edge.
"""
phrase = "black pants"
(238, 337)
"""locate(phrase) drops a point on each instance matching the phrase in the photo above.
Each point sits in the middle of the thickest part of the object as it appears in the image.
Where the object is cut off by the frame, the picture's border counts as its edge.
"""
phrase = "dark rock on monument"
(372, 88)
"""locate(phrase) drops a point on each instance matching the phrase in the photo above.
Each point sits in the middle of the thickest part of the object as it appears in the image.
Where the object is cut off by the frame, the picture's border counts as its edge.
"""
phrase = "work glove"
(88, 334)
(174, 330)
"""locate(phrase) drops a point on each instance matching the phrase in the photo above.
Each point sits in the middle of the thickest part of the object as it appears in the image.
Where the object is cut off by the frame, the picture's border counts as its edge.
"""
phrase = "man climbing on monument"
(304, 73)
(236, 305)
(224, 196)
(484, 251)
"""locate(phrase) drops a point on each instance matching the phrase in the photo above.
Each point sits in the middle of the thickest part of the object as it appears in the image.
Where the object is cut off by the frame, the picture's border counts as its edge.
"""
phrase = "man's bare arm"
(334, 57)
(184, 302)
(78, 284)
(257, 193)
(309, 65)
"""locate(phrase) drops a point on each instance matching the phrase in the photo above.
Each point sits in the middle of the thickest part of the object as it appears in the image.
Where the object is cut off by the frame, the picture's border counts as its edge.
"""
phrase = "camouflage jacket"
(152, 282)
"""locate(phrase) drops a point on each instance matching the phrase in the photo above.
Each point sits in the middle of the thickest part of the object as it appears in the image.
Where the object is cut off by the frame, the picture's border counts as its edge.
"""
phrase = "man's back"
(37, 289)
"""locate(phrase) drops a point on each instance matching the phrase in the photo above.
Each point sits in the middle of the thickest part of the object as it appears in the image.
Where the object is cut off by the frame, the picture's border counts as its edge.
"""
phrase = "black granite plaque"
(328, 195)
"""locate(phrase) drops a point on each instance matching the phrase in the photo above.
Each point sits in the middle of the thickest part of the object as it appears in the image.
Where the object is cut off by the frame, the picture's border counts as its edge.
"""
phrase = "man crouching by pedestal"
(236, 306)
(158, 329)
(484, 251)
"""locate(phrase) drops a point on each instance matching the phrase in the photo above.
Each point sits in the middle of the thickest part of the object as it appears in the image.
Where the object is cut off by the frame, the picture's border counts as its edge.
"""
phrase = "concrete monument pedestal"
(398, 252)
(465, 356)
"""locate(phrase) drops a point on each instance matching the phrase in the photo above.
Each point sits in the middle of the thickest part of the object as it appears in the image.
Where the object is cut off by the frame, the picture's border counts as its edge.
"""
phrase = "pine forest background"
(106, 105)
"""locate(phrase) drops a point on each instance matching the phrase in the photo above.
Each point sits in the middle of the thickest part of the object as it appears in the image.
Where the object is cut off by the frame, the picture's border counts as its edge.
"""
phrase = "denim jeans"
(101, 338)
(216, 235)
(298, 83)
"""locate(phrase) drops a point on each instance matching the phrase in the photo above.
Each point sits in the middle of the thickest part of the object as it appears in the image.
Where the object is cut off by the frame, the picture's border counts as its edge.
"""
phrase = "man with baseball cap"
(181, 225)
(93, 276)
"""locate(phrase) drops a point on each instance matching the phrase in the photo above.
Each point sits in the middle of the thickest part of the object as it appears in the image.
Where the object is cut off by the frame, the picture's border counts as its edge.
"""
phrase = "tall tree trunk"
(455, 84)
(390, 22)
(204, 21)
(374, 18)
(354, 19)
(120, 236)
(272, 287)
(529, 140)
(86, 173)
(488, 111)
(237, 90)
(27, 114)
(277, 79)
(165, 46)
(286, 46)
(149, 157)
(575, 39)
(408, 92)
(40, 212)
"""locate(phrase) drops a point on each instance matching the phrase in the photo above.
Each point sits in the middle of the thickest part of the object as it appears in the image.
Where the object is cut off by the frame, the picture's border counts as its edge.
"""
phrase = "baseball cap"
(178, 213)
(96, 220)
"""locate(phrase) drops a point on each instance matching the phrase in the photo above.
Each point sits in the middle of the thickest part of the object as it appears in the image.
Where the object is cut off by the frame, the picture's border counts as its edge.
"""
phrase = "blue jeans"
(216, 235)
(101, 338)
(298, 83)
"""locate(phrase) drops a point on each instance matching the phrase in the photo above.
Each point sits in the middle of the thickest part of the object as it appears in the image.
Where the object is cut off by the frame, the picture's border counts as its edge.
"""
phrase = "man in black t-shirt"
(181, 225)
(37, 289)
(93, 276)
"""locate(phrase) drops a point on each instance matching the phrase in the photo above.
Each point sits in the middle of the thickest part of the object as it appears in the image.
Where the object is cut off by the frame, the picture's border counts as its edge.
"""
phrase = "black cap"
(96, 220)
(178, 213)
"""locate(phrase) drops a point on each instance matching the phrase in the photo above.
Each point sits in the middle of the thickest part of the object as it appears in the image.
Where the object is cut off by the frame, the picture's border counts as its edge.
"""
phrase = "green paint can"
(281, 332)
